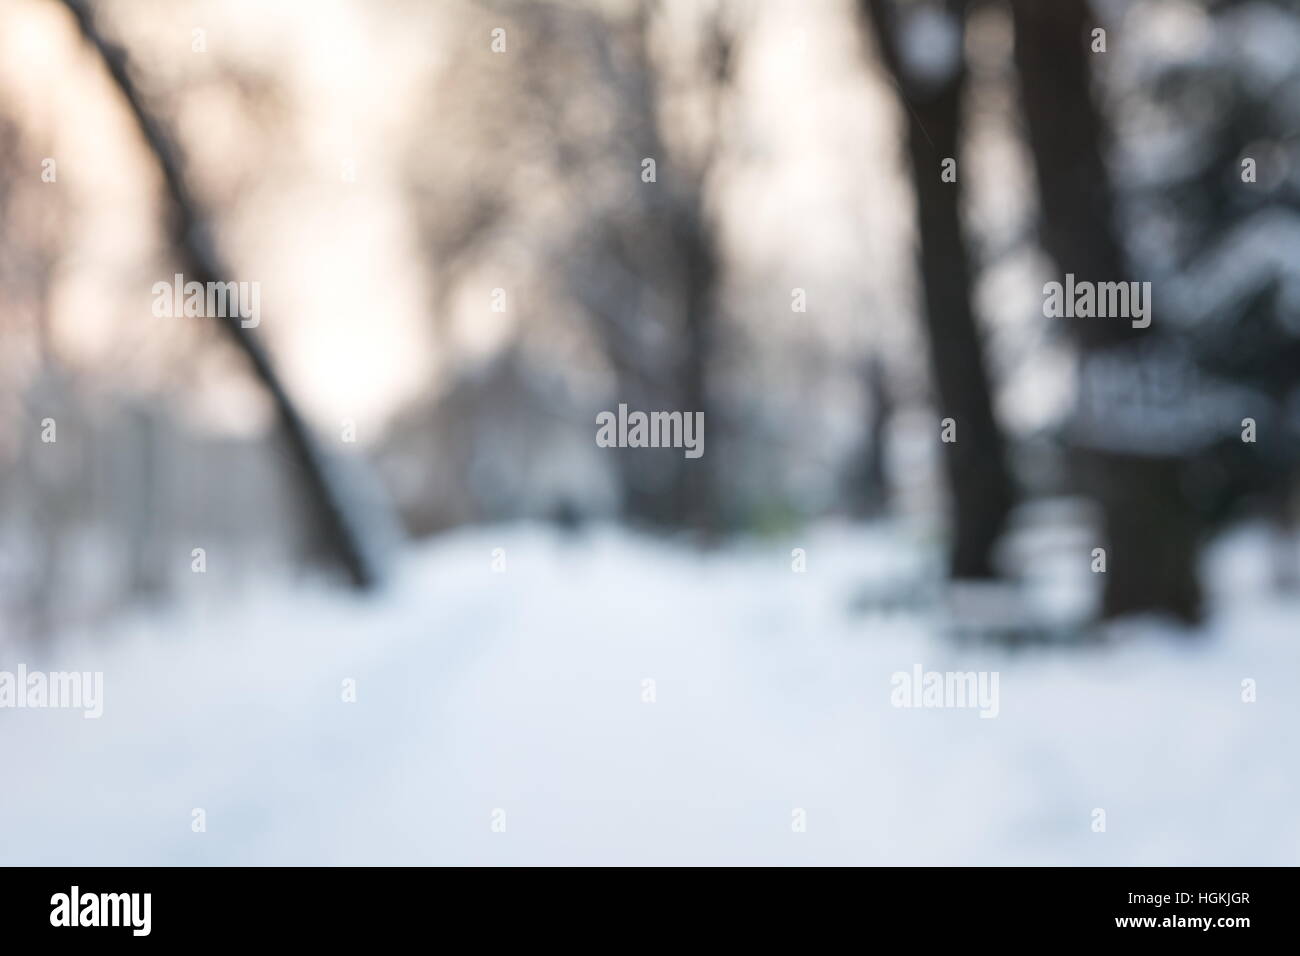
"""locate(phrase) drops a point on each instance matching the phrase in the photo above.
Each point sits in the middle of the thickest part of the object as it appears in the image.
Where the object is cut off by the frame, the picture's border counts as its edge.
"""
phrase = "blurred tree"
(1152, 530)
(921, 45)
(1214, 206)
(662, 240)
(866, 483)
(569, 168)
(343, 527)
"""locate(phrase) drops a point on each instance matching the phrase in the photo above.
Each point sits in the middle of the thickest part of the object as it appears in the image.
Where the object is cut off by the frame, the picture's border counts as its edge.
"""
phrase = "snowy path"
(522, 691)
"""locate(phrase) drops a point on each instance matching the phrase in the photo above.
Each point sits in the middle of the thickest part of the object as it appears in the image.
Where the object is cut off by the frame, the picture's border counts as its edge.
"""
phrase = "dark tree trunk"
(1150, 525)
(1152, 537)
(694, 486)
(340, 527)
(978, 477)
(866, 482)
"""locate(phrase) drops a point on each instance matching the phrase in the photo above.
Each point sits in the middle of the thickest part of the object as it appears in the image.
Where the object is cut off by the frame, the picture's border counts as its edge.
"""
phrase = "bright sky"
(345, 301)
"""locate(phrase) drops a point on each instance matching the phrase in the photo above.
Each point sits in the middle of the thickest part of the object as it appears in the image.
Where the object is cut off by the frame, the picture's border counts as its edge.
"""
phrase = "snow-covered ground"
(518, 698)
